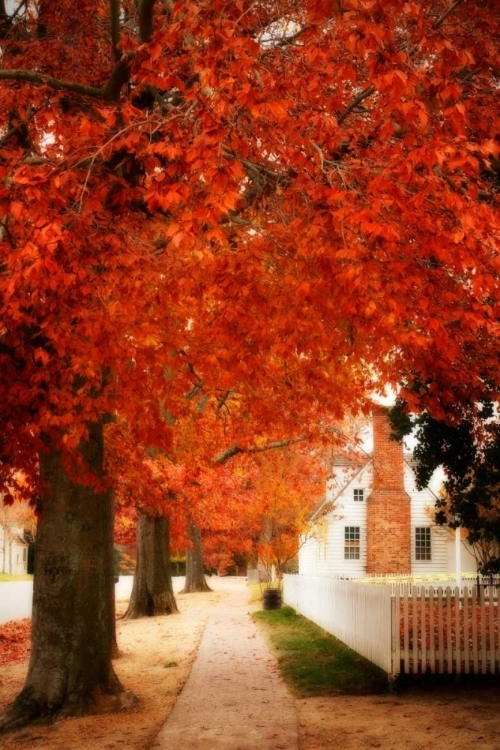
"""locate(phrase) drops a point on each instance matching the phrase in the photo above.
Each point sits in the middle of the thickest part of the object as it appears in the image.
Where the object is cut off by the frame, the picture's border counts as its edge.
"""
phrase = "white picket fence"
(405, 627)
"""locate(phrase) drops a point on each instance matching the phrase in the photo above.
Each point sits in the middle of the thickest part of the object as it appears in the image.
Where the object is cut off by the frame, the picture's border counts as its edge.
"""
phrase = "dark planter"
(271, 599)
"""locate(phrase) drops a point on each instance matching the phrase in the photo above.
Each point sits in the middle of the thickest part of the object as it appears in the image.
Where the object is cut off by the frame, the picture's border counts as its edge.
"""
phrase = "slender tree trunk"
(70, 670)
(152, 592)
(195, 573)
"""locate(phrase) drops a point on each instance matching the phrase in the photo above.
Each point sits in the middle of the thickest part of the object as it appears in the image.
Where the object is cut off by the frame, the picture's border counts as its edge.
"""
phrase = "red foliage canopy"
(291, 201)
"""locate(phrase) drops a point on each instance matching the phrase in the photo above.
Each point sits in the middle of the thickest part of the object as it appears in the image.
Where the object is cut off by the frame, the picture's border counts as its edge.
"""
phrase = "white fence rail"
(360, 616)
(446, 630)
(403, 627)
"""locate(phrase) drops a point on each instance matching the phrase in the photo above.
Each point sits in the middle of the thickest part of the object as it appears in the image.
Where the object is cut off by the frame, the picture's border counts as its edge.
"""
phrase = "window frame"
(352, 542)
(360, 492)
(423, 543)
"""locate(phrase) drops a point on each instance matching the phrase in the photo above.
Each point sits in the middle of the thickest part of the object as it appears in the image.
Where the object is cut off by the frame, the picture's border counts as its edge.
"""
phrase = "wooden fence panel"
(456, 605)
(440, 632)
(432, 638)
(406, 635)
(475, 639)
(403, 626)
(358, 615)
(482, 610)
(466, 635)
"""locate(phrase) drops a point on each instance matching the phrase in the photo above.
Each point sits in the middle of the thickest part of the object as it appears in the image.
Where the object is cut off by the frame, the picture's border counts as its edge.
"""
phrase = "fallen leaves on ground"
(15, 641)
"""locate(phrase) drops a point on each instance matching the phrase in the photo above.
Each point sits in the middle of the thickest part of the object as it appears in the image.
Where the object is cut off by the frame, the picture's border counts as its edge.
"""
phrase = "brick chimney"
(388, 507)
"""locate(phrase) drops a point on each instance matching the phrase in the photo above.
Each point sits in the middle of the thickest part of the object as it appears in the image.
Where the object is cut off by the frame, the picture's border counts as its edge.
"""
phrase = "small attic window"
(359, 495)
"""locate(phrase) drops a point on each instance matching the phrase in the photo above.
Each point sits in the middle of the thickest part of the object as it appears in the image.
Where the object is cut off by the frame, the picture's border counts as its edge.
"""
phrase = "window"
(351, 542)
(423, 543)
(24, 554)
(359, 495)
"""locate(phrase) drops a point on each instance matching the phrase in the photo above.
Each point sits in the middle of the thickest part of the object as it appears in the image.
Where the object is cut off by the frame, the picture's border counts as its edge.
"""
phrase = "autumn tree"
(146, 486)
(291, 202)
(285, 487)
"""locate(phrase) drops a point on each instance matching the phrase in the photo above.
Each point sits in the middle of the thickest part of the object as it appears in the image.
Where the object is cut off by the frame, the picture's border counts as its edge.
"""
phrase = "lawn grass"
(315, 663)
(15, 577)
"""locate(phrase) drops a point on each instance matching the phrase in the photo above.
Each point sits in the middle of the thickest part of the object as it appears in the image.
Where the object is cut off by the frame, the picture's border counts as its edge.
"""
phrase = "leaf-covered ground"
(156, 654)
(14, 641)
(15, 638)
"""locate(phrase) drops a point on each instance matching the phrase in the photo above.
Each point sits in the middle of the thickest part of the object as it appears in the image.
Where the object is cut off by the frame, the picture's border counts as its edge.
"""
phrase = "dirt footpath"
(451, 719)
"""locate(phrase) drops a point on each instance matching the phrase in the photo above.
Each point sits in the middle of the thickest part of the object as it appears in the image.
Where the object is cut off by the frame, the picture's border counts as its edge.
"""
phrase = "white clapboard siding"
(422, 512)
(406, 627)
(323, 553)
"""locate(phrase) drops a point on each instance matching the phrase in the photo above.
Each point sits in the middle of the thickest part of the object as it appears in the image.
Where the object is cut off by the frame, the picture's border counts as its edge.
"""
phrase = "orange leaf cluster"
(292, 203)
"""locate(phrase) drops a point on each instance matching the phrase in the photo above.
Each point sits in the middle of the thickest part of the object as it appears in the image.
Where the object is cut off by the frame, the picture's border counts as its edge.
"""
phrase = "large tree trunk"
(195, 573)
(73, 625)
(152, 592)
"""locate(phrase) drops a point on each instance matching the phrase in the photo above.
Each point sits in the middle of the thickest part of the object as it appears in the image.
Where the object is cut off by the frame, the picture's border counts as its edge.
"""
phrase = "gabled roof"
(410, 459)
(359, 465)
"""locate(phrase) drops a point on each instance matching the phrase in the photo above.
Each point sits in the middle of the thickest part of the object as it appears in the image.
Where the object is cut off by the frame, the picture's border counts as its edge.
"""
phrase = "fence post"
(395, 639)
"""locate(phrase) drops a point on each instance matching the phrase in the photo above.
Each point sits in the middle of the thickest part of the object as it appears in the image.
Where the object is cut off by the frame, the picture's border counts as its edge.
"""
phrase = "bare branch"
(360, 97)
(114, 12)
(7, 19)
(235, 450)
(445, 15)
(221, 401)
(371, 89)
(118, 78)
(7, 136)
(256, 168)
(286, 40)
(145, 17)
(39, 78)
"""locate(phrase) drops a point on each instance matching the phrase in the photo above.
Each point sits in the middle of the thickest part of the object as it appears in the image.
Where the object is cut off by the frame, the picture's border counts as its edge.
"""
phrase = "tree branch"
(145, 17)
(7, 136)
(360, 97)
(257, 168)
(235, 450)
(114, 12)
(118, 78)
(371, 89)
(17, 74)
(445, 15)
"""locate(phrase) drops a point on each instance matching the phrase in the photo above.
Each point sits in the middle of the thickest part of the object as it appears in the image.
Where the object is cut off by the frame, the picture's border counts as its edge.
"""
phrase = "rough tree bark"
(73, 627)
(152, 592)
(195, 574)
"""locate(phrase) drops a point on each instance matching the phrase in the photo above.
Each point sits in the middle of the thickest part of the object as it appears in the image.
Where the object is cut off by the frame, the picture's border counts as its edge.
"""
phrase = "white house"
(380, 522)
(13, 550)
